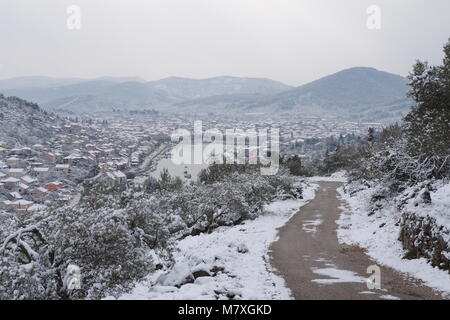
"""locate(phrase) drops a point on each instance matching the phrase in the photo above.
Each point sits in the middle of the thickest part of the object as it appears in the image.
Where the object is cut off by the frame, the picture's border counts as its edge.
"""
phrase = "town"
(123, 149)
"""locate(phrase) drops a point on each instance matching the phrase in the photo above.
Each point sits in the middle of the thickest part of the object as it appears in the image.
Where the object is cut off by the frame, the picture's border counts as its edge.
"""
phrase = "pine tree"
(427, 126)
(295, 165)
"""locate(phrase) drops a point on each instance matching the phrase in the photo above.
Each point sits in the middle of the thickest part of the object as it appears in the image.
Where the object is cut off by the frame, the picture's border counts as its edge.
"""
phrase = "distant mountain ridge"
(225, 85)
(361, 90)
(358, 93)
(48, 82)
(105, 94)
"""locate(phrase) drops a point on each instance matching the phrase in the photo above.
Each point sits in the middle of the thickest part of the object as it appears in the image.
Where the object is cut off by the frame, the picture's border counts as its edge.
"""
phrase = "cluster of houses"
(24, 188)
(34, 176)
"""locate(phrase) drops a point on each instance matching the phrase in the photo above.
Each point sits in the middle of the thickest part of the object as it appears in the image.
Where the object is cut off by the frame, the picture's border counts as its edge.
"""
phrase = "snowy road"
(316, 266)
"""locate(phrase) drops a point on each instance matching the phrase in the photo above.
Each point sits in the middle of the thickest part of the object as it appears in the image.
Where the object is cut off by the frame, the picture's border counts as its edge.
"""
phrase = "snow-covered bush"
(392, 166)
(113, 243)
(236, 197)
(118, 237)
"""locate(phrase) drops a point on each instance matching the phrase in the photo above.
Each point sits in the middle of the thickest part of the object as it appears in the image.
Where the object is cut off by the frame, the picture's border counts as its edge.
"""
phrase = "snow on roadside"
(340, 176)
(229, 263)
(437, 209)
(378, 234)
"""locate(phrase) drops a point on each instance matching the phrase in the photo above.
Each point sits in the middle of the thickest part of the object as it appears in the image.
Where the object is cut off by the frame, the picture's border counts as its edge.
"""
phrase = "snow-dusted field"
(236, 259)
(378, 234)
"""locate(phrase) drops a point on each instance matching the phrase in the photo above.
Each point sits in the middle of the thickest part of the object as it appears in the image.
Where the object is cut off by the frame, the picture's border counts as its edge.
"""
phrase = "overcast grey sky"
(293, 41)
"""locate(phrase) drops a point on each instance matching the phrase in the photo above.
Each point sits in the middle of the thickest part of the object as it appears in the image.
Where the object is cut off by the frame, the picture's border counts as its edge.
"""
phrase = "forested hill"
(24, 123)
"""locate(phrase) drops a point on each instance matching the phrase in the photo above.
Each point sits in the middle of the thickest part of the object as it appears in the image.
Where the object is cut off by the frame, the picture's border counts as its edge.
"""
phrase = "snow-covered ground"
(340, 176)
(231, 262)
(379, 233)
(439, 208)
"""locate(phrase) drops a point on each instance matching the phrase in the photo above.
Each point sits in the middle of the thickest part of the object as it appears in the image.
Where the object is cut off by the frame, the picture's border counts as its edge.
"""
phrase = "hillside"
(104, 96)
(347, 89)
(351, 92)
(24, 123)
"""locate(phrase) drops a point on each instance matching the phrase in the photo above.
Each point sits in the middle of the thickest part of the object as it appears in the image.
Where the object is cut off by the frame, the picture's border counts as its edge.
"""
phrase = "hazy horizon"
(293, 42)
(174, 76)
